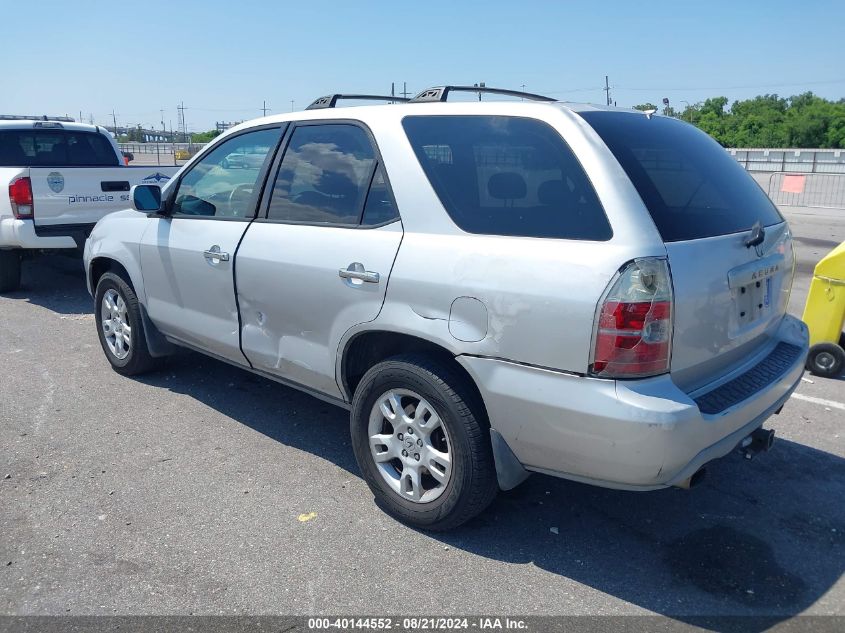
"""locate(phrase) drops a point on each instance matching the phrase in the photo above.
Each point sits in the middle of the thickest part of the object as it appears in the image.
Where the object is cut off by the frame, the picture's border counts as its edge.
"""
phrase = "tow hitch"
(760, 440)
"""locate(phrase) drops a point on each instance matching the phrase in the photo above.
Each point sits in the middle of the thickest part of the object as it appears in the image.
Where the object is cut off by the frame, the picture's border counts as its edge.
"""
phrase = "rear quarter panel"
(539, 295)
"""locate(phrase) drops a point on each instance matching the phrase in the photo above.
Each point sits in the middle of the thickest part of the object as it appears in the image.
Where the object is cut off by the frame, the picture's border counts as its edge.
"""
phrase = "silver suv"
(490, 287)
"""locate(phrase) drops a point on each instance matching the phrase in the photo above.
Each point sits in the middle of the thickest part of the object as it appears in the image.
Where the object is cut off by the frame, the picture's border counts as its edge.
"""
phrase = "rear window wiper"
(758, 234)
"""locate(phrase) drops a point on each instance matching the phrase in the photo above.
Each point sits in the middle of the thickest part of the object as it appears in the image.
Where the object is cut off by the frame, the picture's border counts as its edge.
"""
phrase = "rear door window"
(501, 175)
(690, 185)
(324, 176)
(65, 148)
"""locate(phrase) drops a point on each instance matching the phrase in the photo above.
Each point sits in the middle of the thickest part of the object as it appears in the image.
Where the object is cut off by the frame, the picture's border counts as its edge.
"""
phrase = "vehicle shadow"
(763, 538)
(55, 281)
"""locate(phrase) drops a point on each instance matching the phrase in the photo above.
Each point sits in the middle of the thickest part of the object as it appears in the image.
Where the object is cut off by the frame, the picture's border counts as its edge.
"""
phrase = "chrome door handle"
(357, 271)
(215, 253)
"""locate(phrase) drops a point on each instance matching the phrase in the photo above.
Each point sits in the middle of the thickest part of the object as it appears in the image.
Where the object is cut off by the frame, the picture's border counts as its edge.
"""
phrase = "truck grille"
(746, 385)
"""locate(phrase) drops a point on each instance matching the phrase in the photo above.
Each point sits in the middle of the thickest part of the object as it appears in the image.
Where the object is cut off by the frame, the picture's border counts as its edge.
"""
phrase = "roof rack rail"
(39, 117)
(330, 101)
(441, 93)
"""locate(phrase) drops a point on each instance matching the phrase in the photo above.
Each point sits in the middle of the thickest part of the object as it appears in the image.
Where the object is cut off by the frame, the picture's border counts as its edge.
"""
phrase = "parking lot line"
(827, 403)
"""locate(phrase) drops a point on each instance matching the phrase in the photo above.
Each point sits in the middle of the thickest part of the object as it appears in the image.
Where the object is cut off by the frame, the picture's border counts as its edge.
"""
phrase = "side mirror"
(146, 198)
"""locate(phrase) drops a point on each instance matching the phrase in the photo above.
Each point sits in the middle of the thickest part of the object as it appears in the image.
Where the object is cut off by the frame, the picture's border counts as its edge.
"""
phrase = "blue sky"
(224, 58)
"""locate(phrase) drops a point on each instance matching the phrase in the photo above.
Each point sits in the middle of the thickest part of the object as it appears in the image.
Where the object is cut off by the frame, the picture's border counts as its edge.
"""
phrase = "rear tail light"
(20, 197)
(632, 335)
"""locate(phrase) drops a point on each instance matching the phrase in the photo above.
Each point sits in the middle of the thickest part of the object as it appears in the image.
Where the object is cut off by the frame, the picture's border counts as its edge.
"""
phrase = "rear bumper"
(16, 233)
(638, 434)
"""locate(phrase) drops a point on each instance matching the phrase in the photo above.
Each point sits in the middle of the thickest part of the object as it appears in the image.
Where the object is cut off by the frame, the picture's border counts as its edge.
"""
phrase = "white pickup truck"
(57, 178)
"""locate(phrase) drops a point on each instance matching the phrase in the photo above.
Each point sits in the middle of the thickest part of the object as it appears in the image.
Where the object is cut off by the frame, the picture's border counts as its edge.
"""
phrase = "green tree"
(205, 137)
(804, 121)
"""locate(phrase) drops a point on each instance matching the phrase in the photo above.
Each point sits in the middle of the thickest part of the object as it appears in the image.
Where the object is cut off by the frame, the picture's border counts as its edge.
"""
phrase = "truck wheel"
(422, 443)
(120, 328)
(10, 270)
(826, 359)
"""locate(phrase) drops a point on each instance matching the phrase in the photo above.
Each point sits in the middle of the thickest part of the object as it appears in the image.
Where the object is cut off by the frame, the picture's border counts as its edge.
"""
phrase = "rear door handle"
(215, 253)
(357, 271)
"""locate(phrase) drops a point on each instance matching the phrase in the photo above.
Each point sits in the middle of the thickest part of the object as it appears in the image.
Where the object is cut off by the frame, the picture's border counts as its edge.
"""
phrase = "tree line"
(804, 120)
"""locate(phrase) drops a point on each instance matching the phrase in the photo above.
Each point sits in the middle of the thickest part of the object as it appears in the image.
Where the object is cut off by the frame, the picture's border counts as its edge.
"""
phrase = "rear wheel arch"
(369, 348)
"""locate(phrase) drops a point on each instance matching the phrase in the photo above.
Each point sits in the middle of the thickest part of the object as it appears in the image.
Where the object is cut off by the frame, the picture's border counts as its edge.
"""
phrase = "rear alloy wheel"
(826, 359)
(410, 445)
(10, 270)
(120, 328)
(422, 442)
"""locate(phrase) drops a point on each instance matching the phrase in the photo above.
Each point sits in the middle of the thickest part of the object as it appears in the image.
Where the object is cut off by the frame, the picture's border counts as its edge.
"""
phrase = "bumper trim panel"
(744, 386)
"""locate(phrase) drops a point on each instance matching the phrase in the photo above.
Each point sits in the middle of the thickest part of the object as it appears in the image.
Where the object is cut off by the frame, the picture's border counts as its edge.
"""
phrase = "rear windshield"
(691, 186)
(34, 148)
(500, 175)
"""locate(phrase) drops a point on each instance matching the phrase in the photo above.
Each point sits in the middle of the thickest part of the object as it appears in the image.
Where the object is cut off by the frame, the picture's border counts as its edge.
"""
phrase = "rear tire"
(10, 270)
(116, 310)
(441, 473)
(826, 359)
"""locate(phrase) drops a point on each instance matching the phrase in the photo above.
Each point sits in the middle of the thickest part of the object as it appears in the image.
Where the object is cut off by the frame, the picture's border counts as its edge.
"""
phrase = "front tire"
(10, 270)
(120, 327)
(422, 442)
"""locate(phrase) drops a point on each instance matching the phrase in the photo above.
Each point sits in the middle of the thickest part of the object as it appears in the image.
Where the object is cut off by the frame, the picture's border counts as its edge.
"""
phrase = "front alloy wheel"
(120, 326)
(114, 321)
(410, 445)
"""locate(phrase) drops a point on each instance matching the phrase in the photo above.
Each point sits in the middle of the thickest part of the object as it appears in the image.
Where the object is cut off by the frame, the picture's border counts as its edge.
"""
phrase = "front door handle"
(356, 271)
(214, 253)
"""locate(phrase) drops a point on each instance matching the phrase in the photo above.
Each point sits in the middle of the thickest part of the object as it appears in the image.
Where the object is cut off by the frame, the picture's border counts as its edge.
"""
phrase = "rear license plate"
(753, 287)
(753, 301)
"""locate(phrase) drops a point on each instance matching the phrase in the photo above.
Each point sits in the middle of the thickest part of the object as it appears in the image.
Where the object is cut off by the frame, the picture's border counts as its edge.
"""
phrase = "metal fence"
(807, 190)
(812, 161)
(160, 148)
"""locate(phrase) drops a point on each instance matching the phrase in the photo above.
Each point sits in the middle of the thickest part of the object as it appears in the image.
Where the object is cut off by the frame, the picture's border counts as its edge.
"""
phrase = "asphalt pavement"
(203, 489)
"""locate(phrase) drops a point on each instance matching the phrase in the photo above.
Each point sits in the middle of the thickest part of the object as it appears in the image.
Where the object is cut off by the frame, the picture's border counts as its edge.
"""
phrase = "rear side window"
(500, 175)
(33, 148)
(691, 186)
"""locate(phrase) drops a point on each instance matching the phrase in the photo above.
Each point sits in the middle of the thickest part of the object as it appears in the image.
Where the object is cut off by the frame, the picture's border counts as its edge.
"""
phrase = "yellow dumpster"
(824, 313)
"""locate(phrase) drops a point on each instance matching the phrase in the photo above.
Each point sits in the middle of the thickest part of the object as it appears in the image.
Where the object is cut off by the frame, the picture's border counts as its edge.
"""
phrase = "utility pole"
(264, 109)
(392, 89)
(183, 126)
(114, 120)
(80, 116)
(405, 92)
(291, 105)
(607, 89)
